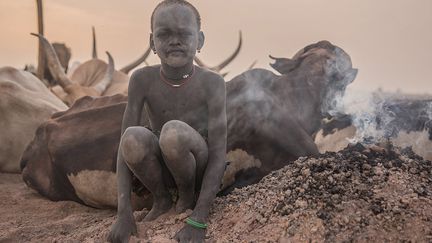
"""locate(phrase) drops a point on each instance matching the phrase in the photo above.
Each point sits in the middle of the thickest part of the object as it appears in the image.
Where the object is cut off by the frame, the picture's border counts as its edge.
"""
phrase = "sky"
(389, 41)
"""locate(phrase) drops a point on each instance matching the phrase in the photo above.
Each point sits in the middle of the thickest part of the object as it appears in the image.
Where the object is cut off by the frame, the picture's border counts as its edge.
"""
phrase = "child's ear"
(201, 39)
(152, 46)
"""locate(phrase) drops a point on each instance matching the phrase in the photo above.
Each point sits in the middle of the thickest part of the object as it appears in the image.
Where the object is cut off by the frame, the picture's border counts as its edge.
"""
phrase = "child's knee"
(172, 140)
(136, 143)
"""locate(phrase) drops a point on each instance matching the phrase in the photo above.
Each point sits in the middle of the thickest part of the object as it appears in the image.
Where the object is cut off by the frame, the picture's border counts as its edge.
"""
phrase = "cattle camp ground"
(309, 158)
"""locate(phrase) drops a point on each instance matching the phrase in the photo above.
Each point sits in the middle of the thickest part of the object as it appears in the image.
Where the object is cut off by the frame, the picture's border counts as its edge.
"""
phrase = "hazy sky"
(389, 41)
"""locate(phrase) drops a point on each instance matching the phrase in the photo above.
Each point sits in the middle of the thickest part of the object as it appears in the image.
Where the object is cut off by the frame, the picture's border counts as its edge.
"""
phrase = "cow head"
(92, 78)
(64, 55)
(322, 68)
(73, 88)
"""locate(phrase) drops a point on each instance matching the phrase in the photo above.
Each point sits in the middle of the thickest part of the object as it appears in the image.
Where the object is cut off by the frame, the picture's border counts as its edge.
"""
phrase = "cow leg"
(140, 151)
(185, 153)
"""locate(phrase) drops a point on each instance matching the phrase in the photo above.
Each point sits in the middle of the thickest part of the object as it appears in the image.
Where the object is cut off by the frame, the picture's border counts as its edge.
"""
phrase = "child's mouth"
(175, 52)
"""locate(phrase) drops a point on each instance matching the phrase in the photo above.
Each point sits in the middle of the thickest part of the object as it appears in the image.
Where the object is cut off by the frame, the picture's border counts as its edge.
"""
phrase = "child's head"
(176, 34)
(179, 2)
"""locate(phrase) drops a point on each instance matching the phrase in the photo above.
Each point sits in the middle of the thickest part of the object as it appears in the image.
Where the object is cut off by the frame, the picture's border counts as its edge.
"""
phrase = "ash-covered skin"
(191, 118)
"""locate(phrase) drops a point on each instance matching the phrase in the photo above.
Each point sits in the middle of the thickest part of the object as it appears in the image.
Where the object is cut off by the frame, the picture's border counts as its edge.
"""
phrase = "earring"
(154, 51)
(199, 50)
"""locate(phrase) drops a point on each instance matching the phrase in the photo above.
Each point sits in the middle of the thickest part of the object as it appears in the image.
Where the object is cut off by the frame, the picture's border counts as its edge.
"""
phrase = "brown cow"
(83, 168)
(92, 78)
(25, 103)
(271, 119)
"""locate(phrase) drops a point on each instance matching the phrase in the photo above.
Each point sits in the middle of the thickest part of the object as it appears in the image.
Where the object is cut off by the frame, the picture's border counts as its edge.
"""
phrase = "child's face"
(175, 35)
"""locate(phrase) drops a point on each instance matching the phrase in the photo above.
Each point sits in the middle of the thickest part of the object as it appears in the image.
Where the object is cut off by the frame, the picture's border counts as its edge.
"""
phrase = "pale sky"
(389, 41)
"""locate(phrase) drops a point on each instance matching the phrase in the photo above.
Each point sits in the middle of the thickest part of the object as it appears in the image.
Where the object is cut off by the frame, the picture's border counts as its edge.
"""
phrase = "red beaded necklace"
(184, 79)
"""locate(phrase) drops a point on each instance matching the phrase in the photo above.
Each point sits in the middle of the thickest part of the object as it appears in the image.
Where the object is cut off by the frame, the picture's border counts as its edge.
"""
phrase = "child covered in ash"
(186, 144)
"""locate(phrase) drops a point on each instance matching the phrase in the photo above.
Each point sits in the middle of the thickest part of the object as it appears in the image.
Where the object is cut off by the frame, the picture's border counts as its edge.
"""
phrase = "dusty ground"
(358, 194)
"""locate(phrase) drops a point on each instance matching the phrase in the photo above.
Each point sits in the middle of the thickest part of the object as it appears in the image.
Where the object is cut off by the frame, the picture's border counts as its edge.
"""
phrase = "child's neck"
(176, 73)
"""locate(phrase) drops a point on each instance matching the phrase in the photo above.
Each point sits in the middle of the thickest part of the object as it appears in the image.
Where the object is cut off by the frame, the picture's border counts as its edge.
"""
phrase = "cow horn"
(230, 58)
(53, 62)
(126, 69)
(106, 81)
(219, 67)
(252, 65)
(94, 54)
(200, 63)
(224, 74)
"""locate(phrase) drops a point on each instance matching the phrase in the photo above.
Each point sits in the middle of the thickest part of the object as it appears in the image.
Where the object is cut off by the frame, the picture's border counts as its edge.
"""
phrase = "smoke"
(363, 108)
(379, 115)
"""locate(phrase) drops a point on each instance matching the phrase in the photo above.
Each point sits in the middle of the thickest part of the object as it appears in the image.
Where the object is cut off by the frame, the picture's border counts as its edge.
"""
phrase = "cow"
(83, 170)
(273, 117)
(25, 102)
(404, 122)
(91, 78)
(266, 114)
(63, 53)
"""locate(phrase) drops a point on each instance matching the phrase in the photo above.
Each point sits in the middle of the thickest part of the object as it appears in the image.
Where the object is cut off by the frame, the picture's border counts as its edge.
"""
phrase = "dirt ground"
(356, 195)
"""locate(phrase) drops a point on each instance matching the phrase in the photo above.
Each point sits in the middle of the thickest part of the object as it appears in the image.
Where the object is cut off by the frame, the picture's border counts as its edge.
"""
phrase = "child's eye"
(162, 34)
(186, 34)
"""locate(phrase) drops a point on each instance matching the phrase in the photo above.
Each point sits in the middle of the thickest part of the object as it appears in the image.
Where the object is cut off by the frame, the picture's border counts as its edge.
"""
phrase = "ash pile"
(374, 193)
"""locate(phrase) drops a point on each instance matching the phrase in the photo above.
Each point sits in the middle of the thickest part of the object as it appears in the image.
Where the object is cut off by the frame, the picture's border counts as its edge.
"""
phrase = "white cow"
(25, 103)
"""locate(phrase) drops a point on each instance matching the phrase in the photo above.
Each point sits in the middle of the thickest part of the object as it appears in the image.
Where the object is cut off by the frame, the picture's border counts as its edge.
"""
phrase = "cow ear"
(352, 75)
(284, 65)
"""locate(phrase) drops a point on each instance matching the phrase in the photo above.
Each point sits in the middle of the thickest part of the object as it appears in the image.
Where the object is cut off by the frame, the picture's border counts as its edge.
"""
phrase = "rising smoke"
(379, 115)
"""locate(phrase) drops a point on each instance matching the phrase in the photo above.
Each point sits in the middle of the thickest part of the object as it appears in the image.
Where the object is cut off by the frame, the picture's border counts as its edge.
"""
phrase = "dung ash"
(378, 193)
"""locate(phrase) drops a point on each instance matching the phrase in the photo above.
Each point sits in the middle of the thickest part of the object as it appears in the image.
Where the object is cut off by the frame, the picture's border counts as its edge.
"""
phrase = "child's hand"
(190, 234)
(122, 230)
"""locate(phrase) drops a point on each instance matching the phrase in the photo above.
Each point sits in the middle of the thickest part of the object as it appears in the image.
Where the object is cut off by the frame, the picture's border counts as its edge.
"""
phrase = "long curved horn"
(200, 63)
(53, 62)
(252, 65)
(107, 79)
(94, 54)
(219, 67)
(230, 58)
(126, 69)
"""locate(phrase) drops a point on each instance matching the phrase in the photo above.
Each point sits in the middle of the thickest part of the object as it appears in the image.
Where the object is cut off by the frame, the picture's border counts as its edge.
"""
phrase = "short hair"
(179, 2)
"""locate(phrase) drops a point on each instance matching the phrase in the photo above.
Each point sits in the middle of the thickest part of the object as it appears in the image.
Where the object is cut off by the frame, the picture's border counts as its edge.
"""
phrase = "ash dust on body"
(181, 150)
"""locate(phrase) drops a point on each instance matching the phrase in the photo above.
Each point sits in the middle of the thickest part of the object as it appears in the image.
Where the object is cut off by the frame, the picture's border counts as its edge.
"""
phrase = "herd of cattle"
(63, 134)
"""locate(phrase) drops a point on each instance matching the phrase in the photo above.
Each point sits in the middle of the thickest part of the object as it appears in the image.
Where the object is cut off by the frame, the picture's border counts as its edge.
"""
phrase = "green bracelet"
(196, 224)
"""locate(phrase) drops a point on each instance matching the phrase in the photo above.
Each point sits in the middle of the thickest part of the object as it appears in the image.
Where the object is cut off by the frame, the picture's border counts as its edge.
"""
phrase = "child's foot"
(160, 207)
(186, 201)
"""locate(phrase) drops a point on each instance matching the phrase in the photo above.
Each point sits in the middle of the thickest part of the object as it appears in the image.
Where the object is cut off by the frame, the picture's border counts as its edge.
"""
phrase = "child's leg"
(140, 151)
(185, 154)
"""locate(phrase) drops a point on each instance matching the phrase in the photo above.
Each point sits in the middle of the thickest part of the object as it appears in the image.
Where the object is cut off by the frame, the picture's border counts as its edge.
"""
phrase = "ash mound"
(377, 193)
(374, 193)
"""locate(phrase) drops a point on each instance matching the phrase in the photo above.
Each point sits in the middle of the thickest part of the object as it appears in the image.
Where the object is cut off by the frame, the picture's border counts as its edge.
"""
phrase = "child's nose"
(175, 40)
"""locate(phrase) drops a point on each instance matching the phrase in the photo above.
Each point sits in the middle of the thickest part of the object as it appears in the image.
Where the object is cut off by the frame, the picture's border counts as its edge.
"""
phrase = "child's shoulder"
(144, 75)
(210, 77)
(147, 71)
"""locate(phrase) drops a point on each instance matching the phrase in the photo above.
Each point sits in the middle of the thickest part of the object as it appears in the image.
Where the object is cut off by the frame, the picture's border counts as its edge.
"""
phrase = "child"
(187, 105)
